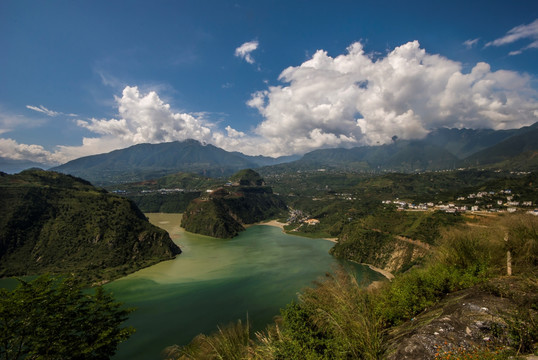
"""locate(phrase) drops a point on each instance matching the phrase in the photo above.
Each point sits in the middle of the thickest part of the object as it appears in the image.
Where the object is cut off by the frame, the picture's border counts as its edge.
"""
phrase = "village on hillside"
(490, 201)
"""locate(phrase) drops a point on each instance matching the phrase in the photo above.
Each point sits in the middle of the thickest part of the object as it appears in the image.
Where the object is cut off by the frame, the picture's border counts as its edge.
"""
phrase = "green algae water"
(215, 282)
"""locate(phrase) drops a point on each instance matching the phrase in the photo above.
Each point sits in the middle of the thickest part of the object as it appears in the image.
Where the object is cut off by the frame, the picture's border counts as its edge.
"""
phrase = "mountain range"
(149, 161)
(442, 149)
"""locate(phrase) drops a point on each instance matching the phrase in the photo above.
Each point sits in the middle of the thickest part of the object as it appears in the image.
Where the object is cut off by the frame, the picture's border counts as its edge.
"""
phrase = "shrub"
(52, 319)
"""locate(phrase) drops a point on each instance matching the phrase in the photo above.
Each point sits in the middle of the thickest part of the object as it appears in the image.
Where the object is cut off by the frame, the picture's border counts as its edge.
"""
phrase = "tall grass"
(344, 310)
(230, 342)
(522, 242)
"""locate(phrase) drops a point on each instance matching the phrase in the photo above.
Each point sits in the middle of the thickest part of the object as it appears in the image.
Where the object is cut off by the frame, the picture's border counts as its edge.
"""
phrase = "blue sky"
(261, 77)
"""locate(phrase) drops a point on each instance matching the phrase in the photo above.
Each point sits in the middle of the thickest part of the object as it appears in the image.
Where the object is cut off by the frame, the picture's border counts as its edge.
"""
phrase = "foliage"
(374, 237)
(364, 246)
(522, 242)
(465, 257)
(210, 218)
(54, 319)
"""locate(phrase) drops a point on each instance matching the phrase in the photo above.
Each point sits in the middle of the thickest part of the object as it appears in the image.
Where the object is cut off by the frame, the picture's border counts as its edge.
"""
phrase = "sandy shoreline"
(280, 225)
(385, 273)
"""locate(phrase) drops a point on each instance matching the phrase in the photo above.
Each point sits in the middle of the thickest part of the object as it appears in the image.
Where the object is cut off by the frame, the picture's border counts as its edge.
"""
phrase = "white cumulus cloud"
(349, 100)
(353, 99)
(244, 51)
(11, 149)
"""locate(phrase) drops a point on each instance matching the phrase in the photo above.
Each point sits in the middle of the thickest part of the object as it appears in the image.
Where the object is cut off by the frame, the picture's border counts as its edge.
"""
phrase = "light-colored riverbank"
(385, 273)
(275, 223)
(280, 225)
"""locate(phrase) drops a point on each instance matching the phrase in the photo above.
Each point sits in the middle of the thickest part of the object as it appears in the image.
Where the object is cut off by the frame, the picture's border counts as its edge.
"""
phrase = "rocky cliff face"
(56, 223)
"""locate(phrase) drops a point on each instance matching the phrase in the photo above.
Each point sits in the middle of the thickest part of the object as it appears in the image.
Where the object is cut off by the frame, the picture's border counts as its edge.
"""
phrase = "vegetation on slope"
(56, 223)
(339, 319)
(390, 239)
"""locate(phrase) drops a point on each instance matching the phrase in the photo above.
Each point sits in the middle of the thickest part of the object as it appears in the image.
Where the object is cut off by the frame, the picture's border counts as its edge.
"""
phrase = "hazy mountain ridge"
(50, 222)
(150, 161)
(442, 149)
(517, 145)
(465, 142)
(12, 166)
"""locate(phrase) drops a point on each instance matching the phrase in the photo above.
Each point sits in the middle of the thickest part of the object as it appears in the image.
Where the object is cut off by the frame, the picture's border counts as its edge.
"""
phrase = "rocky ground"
(501, 313)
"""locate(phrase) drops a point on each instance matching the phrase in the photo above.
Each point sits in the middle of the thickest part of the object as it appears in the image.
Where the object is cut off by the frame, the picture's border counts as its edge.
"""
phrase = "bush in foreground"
(49, 318)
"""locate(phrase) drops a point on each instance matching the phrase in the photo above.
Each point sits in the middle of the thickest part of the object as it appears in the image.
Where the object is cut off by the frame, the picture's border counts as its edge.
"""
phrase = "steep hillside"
(391, 240)
(223, 213)
(50, 222)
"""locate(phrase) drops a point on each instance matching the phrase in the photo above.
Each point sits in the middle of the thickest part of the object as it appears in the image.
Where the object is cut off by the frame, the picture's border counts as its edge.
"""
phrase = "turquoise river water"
(217, 281)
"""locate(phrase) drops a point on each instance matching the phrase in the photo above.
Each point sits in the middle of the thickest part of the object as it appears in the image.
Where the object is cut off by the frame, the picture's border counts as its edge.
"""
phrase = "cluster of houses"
(162, 191)
(297, 216)
(491, 201)
(157, 191)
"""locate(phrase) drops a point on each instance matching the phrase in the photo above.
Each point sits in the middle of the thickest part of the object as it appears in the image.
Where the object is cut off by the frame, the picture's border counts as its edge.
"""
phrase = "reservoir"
(218, 281)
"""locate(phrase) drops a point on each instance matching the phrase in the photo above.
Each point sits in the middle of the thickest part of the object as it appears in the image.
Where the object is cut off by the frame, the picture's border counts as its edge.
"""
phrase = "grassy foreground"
(339, 318)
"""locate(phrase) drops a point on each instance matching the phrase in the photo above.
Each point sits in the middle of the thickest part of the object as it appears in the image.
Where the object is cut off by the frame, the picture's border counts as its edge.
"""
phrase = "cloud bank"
(350, 100)
(354, 99)
(10, 149)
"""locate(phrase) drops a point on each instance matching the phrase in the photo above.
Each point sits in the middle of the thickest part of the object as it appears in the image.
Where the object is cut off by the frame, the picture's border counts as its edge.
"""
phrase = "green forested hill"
(224, 212)
(56, 223)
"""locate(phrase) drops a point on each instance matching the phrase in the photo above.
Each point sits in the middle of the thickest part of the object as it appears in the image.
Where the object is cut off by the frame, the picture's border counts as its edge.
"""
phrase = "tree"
(49, 318)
